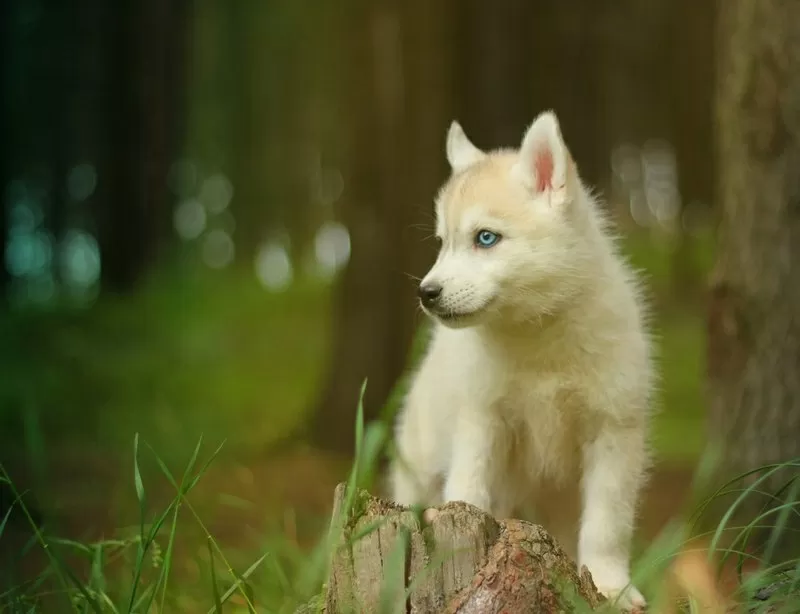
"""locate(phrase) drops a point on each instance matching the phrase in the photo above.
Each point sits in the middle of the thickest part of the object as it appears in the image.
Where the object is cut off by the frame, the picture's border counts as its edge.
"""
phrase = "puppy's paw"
(625, 597)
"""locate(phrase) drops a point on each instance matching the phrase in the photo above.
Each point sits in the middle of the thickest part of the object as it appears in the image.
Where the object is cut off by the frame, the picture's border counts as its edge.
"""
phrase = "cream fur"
(536, 385)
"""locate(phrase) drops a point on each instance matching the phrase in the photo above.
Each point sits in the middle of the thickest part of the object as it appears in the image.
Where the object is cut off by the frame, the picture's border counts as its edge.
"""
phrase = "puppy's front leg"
(471, 464)
(614, 466)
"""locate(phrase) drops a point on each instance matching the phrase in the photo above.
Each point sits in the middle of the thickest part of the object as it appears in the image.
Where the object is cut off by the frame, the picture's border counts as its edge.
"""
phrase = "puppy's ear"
(544, 163)
(461, 153)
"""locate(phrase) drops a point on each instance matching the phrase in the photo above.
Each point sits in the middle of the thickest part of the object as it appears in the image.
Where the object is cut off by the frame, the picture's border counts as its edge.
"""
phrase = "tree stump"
(453, 559)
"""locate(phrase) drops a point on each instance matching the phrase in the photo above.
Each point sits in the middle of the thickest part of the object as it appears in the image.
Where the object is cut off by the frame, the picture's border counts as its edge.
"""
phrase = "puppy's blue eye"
(486, 238)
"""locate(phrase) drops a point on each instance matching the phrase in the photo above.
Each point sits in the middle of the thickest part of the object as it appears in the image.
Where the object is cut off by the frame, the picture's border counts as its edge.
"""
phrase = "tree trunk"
(34, 85)
(573, 80)
(266, 40)
(634, 93)
(144, 76)
(692, 92)
(7, 144)
(691, 87)
(754, 329)
(455, 559)
(393, 68)
(493, 66)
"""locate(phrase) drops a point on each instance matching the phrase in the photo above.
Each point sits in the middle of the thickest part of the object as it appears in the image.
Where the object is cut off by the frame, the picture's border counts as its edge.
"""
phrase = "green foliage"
(220, 345)
(143, 582)
(148, 568)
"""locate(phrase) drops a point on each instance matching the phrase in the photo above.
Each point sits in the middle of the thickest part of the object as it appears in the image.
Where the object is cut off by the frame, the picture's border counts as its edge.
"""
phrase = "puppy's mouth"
(450, 317)
(454, 316)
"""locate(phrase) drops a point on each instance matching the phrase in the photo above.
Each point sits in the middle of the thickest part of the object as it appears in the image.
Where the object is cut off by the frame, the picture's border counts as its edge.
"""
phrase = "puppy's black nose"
(429, 293)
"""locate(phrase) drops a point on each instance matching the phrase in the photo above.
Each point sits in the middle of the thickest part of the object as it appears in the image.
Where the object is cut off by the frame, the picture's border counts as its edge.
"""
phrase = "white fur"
(461, 153)
(536, 384)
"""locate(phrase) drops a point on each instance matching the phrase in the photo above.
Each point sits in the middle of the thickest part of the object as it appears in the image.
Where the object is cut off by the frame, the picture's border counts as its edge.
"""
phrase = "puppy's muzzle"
(429, 294)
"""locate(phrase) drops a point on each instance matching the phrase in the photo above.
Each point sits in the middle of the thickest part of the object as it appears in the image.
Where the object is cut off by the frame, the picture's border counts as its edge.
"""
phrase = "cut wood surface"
(451, 559)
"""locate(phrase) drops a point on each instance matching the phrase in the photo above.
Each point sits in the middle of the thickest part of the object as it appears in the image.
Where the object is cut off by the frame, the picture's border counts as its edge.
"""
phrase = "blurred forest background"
(212, 212)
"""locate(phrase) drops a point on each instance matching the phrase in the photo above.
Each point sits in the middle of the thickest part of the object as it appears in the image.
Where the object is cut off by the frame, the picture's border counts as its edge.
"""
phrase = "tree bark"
(394, 67)
(455, 559)
(754, 329)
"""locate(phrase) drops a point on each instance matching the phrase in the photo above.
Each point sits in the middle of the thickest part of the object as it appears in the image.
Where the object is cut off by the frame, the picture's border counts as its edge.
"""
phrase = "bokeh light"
(332, 247)
(273, 266)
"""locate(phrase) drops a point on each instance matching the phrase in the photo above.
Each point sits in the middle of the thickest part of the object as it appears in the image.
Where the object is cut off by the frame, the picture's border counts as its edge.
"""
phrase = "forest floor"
(278, 505)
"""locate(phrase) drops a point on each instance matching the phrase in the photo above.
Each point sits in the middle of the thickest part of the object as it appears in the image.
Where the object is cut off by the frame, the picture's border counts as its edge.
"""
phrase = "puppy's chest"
(543, 415)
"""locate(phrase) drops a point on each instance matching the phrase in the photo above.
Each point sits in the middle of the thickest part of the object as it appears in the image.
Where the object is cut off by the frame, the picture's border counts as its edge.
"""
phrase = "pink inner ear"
(543, 166)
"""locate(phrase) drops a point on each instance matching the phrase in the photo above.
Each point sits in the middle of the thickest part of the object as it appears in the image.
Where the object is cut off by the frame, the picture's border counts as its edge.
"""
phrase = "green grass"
(135, 574)
(87, 587)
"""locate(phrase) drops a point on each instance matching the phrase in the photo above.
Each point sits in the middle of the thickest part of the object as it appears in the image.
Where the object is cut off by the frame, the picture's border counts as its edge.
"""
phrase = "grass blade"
(143, 542)
(237, 585)
(64, 573)
(214, 587)
(166, 565)
(360, 419)
(96, 577)
(8, 515)
(192, 460)
(137, 480)
(374, 443)
(352, 482)
(163, 578)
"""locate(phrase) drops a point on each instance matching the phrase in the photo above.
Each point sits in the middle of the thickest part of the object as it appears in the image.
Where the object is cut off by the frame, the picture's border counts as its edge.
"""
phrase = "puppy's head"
(510, 244)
